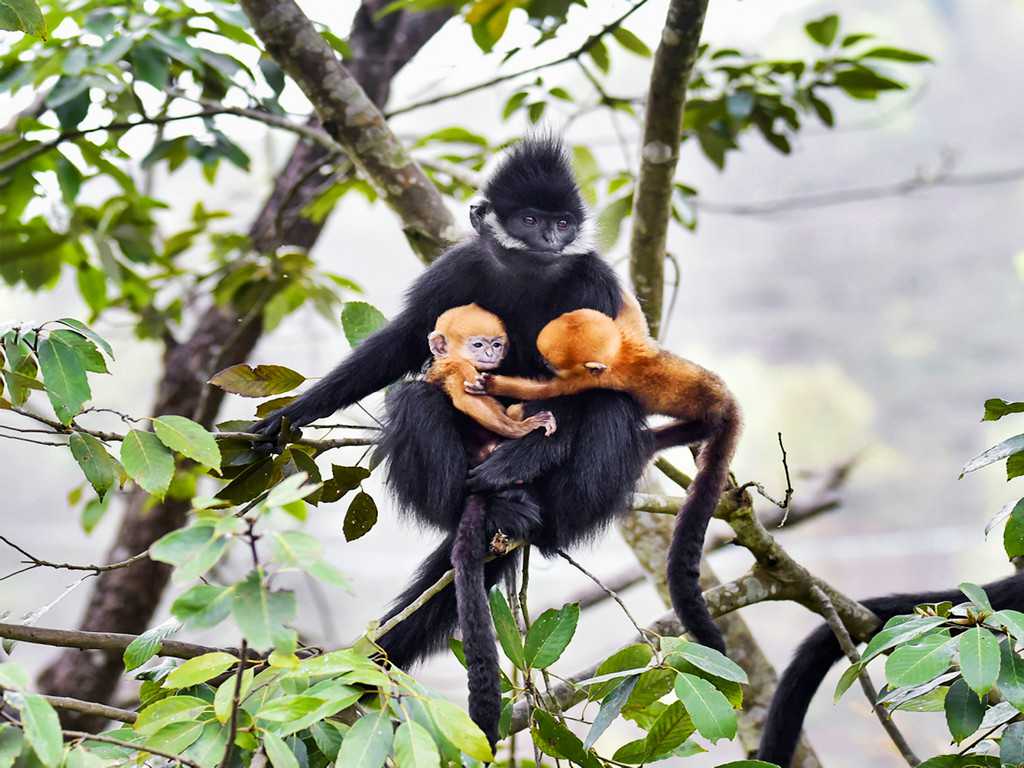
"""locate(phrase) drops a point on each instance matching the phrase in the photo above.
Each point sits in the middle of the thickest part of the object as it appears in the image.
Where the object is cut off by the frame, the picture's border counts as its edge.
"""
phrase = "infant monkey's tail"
(692, 524)
(468, 554)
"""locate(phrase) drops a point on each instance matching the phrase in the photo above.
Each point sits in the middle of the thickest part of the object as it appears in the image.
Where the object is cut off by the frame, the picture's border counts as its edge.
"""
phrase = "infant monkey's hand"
(479, 385)
(544, 420)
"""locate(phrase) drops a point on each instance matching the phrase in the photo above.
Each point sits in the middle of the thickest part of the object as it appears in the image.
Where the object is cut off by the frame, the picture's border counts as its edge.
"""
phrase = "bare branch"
(101, 641)
(92, 708)
(34, 562)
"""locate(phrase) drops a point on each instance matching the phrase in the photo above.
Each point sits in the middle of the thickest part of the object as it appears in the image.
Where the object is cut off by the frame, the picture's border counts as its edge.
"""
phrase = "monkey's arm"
(396, 349)
(534, 389)
(488, 413)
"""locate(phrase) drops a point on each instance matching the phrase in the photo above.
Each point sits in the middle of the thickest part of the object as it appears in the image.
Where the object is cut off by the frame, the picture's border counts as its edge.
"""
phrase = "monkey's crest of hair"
(470, 320)
(579, 337)
(536, 173)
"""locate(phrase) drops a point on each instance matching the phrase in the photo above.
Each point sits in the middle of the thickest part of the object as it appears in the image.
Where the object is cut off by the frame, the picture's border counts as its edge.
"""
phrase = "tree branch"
(652, 197)
(100, 641)
(828, 612)
(354, 121)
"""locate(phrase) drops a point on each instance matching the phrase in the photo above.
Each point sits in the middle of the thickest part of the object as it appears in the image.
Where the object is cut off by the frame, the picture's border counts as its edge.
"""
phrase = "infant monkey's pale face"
(486, 352)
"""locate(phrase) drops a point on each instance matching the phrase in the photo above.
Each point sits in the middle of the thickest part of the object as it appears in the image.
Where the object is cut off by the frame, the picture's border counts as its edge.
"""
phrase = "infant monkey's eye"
(529, 220)
(478, 345)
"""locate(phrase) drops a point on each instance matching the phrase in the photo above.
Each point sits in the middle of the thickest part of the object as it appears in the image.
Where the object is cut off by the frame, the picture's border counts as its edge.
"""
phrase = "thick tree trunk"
(125, 600)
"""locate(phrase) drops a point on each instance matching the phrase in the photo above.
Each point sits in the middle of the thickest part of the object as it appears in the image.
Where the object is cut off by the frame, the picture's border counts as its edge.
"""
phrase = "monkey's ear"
(438, 344)
(477, 212)
(596, 369)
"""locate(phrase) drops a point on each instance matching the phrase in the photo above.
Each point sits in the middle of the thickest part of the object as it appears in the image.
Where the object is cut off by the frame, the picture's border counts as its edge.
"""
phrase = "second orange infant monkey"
(467, 340)
(589, 350)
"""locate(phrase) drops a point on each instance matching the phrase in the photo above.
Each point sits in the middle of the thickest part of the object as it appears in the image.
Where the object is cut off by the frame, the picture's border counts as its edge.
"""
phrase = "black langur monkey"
(820, 650)
(530, 262)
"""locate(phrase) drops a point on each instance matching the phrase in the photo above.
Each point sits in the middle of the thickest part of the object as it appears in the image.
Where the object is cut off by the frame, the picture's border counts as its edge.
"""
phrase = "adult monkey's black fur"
(820, 650)
(581, 476)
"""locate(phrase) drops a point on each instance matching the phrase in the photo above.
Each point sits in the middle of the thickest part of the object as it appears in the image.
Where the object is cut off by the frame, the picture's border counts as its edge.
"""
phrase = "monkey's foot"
(544, 420)
(499, 544)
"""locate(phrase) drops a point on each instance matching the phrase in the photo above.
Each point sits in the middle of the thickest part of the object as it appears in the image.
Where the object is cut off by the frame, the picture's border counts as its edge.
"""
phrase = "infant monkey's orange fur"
(465, 341)
(589, 350)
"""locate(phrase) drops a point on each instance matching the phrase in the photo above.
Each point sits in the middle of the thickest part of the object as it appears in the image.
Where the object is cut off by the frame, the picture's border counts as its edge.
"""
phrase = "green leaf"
(672, 728)
(854, 80)
(514, 103)
(224, 698)
(994, 454)
(995, 409)
(368, 742)
(550, 634)
(1011, 675)
(1013, 621)
(26, 17)
(88, 355)
(200, 669)
(147, 462)
(278, 752)
(964, 711)
(709, 660)
(10, 745)
(360, 517)
(556, 740)
(175, 709)
(1013, 533)
(348, 478)
(633, 657)
(900, 633)
(150, 65)
(359, 320)
(506, 628)
(631, 42)
(261, 381)
(919, 662)
(711, 712)
(609, 222)
(194, 550)
(979, 659)
(415, 747)
(848, 678)
(598, 53)
(13, 676)
(976, 595)
(64, 377)
(823, 31)
(90, 334)
(455, 725)
(287, 708)
(1011, 745)
(610, 709)
(176, 737)
(97, 465)
(295, 548)
(896, 54)
(145, 646)
(189, 439)
(42, 729)
(259, 613)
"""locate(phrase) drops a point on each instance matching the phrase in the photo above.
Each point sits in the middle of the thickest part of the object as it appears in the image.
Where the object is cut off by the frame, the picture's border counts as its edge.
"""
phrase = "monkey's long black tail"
(820, 650)
(468, 556)
(687, 546)
(428, 629)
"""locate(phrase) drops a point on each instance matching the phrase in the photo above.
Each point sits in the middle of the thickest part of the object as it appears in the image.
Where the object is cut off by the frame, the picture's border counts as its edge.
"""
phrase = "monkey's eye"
(478, 345)
(563, 224)
(529, 220)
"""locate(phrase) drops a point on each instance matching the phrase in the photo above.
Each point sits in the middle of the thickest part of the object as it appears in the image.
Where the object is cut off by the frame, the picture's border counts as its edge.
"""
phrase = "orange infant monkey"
(466, 340)
(587, 350)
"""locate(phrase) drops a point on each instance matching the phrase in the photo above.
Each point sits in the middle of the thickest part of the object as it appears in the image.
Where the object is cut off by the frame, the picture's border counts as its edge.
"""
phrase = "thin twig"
(92, 708)
(101, 641)
(828, 612)
(613, 596)
(83, 736)
(574, 55)
(235, 704)
(35, 562)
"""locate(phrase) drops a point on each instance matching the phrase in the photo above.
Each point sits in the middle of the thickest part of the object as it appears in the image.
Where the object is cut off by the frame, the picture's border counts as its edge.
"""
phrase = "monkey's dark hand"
(275, 427)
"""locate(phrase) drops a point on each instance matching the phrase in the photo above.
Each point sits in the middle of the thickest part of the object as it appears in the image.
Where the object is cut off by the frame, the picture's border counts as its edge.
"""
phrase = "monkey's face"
(547, 231)
(572, 342)
(485, 352)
